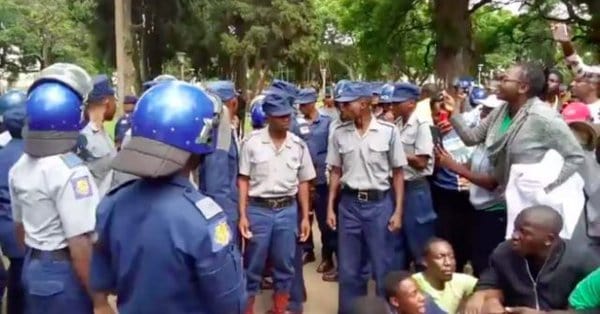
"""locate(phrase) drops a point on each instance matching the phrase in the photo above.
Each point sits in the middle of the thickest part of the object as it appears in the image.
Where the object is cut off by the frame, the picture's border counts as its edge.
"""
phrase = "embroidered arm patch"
(81, 187)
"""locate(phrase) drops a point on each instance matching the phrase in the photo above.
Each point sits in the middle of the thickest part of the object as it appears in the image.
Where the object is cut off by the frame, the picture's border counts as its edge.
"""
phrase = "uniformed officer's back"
(57, 187)
(163, 247)
(169, 229)
(53, 196)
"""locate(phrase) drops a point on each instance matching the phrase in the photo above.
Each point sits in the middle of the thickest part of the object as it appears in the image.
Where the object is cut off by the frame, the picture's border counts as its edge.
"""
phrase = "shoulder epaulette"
(250, 135)
(296, 139)
(71, 160)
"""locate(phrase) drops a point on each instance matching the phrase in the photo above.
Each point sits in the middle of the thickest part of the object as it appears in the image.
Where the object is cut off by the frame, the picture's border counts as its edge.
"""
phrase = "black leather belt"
(365, 195)
(272, 202)
(58, 255)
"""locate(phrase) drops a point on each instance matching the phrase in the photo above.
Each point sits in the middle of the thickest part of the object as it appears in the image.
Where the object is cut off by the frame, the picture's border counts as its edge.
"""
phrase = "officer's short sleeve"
(17, 210)
(76, 199)
(244, 162)
(101, 276)
(333, 150)
(396, 155)
(217, 261)
(424, 140)
(307, 170)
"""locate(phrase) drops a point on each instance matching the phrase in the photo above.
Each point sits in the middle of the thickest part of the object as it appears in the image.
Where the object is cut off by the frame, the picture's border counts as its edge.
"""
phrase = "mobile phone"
(437, 136)
(560, 32)
(443, 116)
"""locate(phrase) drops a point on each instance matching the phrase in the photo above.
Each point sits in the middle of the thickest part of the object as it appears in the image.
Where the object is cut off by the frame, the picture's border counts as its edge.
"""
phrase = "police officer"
(275, 165)
(384, 112)
(9, 100)
(164, 247)
(329, 108)
(418, 221)
(376, 88)
(13, 120)
(313, 128)
(218, 173)
(54, 197)
(124, 122)
(95, 145)
(362, 153)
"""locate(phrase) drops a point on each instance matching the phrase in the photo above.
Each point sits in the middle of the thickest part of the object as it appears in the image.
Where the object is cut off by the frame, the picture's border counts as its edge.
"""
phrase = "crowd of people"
(452, 200)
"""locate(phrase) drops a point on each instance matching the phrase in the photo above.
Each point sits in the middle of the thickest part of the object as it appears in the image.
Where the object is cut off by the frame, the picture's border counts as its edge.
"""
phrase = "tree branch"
(572, 13)
(427, 52)
(478, 5)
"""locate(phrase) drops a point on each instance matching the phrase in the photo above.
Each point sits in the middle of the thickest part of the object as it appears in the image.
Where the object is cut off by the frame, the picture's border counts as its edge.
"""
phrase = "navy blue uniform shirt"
(163, 247)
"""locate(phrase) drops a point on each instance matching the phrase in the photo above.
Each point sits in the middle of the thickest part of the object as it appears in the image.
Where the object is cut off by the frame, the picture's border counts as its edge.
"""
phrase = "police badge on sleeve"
(81, 187)
(221, 235)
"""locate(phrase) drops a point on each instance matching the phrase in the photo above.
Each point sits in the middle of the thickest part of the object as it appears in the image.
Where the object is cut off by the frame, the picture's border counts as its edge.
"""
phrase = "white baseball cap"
(491, 101)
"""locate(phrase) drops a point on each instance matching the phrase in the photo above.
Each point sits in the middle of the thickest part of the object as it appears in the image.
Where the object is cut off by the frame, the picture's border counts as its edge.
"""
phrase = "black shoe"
(325, 266)
(308, 257)
(331, 276)
(266, 283)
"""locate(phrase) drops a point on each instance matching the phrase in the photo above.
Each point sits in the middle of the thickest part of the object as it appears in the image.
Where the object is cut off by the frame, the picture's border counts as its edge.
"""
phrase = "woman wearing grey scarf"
(524, 129)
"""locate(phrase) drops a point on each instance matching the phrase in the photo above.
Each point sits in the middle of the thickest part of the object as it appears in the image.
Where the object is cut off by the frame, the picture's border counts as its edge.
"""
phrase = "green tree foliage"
(252, 41)
(501, 38)
(394, 38)
(45, 32)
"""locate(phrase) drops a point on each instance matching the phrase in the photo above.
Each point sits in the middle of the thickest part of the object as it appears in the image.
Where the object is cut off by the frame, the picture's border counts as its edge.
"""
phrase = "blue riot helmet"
(12, 98)
(14, 119)
(477, 95)
(54, 106)
(465, 83)
(257, 115)
(223, 132)
(171, 122)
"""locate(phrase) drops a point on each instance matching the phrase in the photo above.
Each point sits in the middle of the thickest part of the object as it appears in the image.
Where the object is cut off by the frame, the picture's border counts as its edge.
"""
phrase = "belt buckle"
(275, 203)
(363, 196)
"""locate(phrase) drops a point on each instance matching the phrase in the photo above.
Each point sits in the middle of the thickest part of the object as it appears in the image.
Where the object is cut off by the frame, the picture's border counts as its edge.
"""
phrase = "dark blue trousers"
(363, 236)
(418, 225)
(274, 235)
(52, 287)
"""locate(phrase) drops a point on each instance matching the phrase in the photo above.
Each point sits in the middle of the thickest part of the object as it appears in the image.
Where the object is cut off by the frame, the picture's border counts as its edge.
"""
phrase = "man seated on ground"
(404, 297)
(535, 271)
(440, 281)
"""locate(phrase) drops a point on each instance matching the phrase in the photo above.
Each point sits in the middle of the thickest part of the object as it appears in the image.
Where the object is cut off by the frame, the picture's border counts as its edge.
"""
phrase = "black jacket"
(566, 266)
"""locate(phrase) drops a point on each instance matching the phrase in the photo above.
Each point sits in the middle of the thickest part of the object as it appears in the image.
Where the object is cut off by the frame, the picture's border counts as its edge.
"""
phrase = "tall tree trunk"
(452, 24)
(130, 76)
